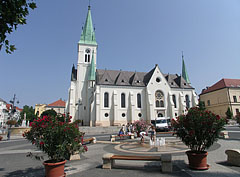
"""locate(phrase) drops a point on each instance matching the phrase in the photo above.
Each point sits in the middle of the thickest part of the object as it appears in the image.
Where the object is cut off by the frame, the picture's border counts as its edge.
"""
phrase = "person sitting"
(121, 133)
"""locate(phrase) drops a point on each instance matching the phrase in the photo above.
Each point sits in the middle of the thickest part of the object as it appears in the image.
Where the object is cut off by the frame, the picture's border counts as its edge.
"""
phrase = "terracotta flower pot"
(197, 161)
(54, 169)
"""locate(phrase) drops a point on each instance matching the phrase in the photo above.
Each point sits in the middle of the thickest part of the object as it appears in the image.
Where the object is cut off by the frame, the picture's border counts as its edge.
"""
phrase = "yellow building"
(223, 94)
(39, 108)
(58, 106)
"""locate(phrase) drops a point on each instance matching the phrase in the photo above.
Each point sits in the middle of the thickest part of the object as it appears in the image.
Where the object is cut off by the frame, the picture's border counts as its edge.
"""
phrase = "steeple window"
(87, 55)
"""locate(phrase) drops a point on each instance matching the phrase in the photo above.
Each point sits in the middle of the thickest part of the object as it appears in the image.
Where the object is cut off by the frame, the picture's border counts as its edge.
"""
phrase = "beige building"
(58, 106)
(39, 109)
(223, 94)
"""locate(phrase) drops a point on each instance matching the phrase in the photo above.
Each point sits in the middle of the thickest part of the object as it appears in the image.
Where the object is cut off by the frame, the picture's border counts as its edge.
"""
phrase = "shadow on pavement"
(29, 172)
(226, 164)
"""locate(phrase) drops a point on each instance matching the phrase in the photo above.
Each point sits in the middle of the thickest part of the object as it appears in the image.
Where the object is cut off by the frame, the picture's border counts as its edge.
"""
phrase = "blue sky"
(131, 35)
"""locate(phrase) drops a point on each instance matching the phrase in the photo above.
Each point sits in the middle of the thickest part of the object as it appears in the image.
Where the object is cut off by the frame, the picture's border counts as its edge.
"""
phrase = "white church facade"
(110, 97)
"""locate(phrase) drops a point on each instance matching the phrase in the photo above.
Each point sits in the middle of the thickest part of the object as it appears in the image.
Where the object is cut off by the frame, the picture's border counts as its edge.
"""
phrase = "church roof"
(184, 71)
(88, 33)
(137, 79)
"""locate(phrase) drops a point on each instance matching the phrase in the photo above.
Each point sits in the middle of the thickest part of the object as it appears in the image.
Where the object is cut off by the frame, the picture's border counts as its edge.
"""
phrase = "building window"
(160, 115)
(161, 103)
(139, 114)
(159, 97)
(123, 101)
(174, 101)
(158, 79)
(106, 114)
(208, 102)
(187, 101)
(234, 99)
(106, 100)
(139, 104)
(123, 114)
(237, 111)
(87, 55)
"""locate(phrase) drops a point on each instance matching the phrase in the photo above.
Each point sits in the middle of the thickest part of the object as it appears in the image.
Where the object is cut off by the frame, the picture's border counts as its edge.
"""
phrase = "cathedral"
(101, 97)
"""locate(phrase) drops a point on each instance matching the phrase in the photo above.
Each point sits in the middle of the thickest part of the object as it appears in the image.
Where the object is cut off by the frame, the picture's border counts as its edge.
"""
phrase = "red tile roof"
(58, 103)
(224, 83)
(9, 106)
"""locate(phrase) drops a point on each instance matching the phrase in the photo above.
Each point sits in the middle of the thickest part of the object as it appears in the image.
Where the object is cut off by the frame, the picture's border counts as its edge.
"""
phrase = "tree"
(29, 111)
(50, 113)
(12, 14)
(229, 113)
(201, 105)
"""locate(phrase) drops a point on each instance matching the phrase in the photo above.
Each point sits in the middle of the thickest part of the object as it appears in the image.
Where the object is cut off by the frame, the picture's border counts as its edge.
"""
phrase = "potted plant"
(58, 138)
(139, 126)
(198, 129)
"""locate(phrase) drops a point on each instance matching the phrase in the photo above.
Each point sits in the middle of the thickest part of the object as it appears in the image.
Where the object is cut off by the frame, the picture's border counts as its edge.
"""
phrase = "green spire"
(184, 71)
(92, 75)
(88, 34)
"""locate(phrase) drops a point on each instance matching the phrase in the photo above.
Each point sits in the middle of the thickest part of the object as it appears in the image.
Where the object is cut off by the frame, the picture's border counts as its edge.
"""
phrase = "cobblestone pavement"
(14, 162)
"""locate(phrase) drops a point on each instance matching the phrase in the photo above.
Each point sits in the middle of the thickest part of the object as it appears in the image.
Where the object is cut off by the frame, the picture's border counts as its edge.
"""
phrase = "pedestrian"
(131, 128)
(127, 128)
(8, 133)
(123, 128)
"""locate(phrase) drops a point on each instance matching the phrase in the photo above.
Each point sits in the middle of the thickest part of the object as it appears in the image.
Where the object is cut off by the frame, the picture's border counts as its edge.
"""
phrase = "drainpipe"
(229, 99)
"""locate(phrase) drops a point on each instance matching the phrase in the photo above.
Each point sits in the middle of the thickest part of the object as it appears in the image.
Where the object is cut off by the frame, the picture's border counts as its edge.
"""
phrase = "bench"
(233, 156)
(224, 134)
(89, 140)
(166, 160)
(113, 137)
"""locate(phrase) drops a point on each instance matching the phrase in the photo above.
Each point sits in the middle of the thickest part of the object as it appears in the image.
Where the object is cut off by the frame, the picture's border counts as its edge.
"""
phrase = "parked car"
(163, 124)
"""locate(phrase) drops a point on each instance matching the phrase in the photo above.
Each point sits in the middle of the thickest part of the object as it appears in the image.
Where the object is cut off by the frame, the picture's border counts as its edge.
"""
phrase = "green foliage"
(50, 113)
(12, 14)
(29, 111)
(229, 113)
(56, 136)
(201, 105)
(198, 129)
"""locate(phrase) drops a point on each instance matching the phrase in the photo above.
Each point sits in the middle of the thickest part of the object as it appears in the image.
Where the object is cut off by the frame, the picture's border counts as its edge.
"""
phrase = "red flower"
(41, 143)
(23, 134)
(85, 148)
(33, 142)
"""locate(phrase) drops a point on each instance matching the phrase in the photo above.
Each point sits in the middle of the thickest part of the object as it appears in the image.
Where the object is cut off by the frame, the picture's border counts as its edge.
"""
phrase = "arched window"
(87, 55)
(174, 101)
(139, 104)
(159, 98)
(187, 101)
(161, 103)
(106, 100)
(160, 115)
(123, 104)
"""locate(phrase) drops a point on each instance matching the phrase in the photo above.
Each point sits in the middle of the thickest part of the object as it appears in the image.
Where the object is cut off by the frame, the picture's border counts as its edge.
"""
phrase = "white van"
(162, 124)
